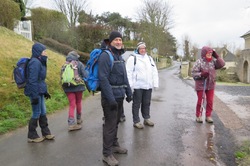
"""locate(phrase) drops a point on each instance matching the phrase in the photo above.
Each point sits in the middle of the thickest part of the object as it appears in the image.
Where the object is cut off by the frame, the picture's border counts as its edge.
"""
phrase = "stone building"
(243, 68)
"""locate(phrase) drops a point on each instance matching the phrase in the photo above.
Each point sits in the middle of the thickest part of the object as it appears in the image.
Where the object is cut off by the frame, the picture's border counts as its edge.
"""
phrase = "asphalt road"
(175, 140)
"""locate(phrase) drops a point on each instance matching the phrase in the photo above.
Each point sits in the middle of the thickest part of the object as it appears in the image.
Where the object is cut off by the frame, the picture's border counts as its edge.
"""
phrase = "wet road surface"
(175, 140)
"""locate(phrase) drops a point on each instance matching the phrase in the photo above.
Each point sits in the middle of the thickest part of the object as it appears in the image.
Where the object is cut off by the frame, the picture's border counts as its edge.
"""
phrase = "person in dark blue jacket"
(104, 45)
(114, 86)
(36, 90)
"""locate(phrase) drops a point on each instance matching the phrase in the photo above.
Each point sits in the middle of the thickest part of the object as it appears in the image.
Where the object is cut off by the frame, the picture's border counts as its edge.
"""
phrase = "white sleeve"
(130, 70)
(155, 74)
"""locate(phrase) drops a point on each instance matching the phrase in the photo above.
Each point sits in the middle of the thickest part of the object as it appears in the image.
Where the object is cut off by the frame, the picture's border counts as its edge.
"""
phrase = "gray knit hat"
(73, 53)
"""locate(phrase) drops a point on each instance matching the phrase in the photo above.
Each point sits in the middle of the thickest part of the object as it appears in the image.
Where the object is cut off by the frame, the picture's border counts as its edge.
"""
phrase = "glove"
(215, 55)
(47, 96)
(114, 106)
(129, 99)
(34, 101)
(204, 74)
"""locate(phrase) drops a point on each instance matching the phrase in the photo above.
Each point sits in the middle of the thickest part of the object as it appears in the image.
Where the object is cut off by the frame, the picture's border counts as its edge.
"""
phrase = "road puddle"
(199, 146)
(210, 145)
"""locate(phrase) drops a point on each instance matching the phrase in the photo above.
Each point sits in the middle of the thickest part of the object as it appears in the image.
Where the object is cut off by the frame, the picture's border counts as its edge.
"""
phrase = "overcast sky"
(205, 22)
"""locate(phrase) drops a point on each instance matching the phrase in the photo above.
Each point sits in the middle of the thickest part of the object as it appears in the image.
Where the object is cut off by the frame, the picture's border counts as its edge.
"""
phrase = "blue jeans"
(38, 109)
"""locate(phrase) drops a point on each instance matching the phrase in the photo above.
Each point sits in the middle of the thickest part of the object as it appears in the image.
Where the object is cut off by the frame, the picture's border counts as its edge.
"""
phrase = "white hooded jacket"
(143, 74)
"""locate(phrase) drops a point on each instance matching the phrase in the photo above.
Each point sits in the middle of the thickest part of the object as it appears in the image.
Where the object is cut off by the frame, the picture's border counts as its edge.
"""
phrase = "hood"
(104, 44)
(204, 51)
(37, 49)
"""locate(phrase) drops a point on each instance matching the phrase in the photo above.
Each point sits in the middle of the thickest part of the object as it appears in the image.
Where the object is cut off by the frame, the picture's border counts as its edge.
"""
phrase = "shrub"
(10, 13)
(223, 76)
(64, 49)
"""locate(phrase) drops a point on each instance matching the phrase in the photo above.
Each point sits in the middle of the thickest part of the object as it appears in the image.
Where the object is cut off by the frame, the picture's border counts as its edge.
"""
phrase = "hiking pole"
(203, 98)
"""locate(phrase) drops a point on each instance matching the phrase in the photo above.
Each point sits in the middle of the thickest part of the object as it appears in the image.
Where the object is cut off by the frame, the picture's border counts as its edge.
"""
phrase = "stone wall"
(185, 69)
(162, 63)
(243, 66)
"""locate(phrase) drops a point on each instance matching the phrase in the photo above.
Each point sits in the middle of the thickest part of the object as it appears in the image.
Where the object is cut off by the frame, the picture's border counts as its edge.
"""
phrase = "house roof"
(229, 57)
(222, 51)
(246, 34)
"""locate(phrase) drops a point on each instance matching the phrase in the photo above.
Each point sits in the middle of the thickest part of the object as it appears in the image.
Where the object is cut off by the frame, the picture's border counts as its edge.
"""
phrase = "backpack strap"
(111, 57)
(150, 59)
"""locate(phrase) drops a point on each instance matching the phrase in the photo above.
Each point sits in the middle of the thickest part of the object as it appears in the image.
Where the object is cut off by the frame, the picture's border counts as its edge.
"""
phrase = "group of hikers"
(132, 80)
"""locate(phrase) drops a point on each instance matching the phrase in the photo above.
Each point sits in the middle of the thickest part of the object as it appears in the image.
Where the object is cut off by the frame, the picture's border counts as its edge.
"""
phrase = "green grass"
(243, 154)
(15, 108)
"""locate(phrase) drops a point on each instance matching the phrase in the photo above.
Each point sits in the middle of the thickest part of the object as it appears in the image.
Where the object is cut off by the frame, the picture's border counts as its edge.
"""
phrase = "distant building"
(24, 28)
(243, 70)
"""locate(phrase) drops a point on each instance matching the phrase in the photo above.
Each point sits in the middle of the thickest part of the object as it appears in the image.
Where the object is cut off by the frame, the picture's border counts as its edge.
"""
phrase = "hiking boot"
(122, 119)
(199, 120)
(110, 160)
(36, 140)
(209, 120)
(148, 122)
(120, 150)
(49, 137)
(74, 127)
(138, 125)
(79, 121)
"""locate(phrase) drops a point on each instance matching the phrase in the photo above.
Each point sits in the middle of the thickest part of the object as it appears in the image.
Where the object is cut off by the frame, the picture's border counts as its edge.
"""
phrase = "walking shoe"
(209, 120)
(120, 150)
(49, 137)
(74, 127)
(138, 125)
(199, 120)
(79, 121)
(36, 140)
(110, 160)
(148, 122)
(122, 119)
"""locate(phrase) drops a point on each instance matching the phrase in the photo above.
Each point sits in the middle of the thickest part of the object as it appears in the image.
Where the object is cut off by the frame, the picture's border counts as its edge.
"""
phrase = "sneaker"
(138, 125)
(209, 120)
(79, 121)
(49, 137)
(36, 140)
(199, 120)
(122, 119)
(110, 160)
(74, 127)
(148, 122)
(120, 150)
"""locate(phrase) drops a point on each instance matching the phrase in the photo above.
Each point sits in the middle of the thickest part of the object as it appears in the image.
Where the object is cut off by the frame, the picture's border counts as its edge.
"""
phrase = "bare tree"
(71, 9)
(156, 12)
(154, 17)
(186, 46)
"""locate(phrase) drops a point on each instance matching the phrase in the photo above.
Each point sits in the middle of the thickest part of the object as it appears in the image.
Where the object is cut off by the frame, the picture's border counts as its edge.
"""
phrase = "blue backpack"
(92, 80)
(19, 72)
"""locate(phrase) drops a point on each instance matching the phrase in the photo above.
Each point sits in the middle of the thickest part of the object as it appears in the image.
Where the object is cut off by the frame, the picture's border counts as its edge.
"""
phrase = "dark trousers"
(141, 99)
(110, 126)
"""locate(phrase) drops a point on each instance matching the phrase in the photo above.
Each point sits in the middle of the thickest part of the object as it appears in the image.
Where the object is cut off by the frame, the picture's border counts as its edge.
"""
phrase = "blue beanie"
(37, 49)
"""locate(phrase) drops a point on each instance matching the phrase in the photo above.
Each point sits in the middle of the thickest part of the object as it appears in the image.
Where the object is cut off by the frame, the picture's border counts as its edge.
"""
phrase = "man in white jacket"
(143, 76)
